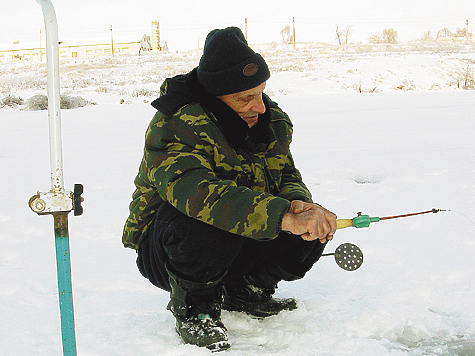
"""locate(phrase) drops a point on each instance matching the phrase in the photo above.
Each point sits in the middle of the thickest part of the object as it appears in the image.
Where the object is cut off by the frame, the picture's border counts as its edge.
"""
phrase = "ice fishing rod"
(365, 220)
(349, 256)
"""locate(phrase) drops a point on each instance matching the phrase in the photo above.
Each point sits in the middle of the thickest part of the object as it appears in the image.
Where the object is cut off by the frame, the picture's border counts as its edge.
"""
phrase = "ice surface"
(388, 152)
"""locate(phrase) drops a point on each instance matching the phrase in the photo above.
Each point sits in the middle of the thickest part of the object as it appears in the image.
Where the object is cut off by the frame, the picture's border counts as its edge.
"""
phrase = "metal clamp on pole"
(52, 202)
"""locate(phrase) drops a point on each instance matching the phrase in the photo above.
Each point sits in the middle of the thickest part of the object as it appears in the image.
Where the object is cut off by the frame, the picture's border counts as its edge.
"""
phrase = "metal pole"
(245, 27)
(293, 31)
(112, 43)
(54, 113)
(41, 52)
(65, 291)
(57, 202)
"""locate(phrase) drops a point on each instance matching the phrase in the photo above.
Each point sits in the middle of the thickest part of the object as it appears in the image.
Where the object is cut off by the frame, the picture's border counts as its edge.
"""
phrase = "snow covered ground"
(405, 144)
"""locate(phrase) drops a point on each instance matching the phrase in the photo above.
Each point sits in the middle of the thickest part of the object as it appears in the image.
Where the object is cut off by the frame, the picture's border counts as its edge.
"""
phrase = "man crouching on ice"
(220, 214)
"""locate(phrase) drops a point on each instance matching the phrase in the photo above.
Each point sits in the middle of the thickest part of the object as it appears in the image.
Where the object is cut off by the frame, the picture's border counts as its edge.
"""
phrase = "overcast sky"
(185, 23)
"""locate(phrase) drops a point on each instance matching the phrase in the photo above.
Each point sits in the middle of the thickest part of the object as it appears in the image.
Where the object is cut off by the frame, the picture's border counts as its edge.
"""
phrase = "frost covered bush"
(72, 102)
(464, 77)
(10, 101)
(146, 93)
(36, 102)
(40, 102)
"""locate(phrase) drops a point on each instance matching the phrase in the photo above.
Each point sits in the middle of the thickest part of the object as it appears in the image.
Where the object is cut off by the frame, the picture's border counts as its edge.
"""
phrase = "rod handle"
(343, 223)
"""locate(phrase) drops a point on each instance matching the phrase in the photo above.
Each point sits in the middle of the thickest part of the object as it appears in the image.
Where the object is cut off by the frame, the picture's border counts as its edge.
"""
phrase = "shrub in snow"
(389, 35)
(40, 102)
(464, 77)
(406, 85)
(10, 101)
(145, 92)
(36, 102)
(72, 102)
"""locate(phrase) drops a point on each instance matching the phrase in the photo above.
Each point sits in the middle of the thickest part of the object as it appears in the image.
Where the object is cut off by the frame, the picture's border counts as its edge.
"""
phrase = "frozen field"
(404, 144)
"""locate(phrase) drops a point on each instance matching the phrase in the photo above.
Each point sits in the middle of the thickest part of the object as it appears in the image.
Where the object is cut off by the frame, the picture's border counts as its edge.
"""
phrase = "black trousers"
(199, 252)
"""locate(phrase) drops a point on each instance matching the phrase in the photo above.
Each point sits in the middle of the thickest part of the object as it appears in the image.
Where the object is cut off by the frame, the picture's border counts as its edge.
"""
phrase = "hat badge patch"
(250, 69)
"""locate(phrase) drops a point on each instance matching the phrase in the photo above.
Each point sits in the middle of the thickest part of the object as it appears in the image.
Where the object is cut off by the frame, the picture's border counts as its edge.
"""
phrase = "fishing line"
(458, 212)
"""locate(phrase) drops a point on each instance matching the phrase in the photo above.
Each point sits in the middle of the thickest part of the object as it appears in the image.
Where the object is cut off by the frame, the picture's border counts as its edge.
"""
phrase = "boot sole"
(213, 347)
(219, 346)
(256, 311)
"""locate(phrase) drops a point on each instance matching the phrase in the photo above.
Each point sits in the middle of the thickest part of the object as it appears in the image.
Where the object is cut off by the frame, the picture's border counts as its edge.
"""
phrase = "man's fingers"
(296, 207)
(313, 221)
(331, 220)
(332, 223)
(329, 212)
(299, 206)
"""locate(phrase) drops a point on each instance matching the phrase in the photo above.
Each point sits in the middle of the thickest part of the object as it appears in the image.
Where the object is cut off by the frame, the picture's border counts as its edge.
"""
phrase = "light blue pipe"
(65, 291)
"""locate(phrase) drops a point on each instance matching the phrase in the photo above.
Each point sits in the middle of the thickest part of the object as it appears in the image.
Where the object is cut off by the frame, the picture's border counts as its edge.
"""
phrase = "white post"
(112, 43)
(41, 53)
(245, 28)
(54, 113)
(293, 31)
(57, 201)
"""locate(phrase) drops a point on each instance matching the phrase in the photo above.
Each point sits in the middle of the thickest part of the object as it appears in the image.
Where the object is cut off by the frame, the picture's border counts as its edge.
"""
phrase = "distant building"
(145, 45)
(73, 50)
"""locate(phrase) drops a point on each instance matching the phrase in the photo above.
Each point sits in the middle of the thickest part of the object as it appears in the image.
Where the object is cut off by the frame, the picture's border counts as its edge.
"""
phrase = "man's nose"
(259, 106)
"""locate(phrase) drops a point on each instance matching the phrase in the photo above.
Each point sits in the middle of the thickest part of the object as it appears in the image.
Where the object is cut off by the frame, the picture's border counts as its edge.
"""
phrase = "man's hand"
(310, 221)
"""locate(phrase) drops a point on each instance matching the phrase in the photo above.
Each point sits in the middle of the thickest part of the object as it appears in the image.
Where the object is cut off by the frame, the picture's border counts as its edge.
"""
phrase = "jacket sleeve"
(292, 186)
(180, 164)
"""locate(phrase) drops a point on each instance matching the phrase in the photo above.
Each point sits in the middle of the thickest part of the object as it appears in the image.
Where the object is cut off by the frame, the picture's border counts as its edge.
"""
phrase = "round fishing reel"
(347, 256)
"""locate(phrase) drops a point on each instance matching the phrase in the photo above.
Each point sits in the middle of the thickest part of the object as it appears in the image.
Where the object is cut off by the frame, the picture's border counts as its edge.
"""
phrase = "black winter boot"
(245, 295)
(197, 309)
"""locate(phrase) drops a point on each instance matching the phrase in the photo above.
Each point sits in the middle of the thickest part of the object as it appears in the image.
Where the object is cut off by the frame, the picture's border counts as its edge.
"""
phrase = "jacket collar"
(185, 89)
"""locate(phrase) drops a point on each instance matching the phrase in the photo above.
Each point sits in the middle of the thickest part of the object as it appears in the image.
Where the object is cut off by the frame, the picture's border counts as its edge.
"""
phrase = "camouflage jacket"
(202, 158)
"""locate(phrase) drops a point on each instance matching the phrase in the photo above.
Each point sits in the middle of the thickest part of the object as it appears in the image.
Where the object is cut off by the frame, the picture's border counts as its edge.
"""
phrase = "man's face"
(247, 104)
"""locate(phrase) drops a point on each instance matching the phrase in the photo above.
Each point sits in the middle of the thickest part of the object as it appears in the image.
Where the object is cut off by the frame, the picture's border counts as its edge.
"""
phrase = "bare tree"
(464, 77)
(346, 33)
(388, 36)
(342, 35)
(338, 34)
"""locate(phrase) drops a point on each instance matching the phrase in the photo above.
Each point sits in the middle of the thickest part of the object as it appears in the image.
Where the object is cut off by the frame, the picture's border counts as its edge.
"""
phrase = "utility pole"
(293, 32)
(112, 43)
(41, 52)
(245, 27)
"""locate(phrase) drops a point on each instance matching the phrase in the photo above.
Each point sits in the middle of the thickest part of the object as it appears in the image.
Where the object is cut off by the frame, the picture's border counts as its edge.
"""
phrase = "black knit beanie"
(228, 65)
